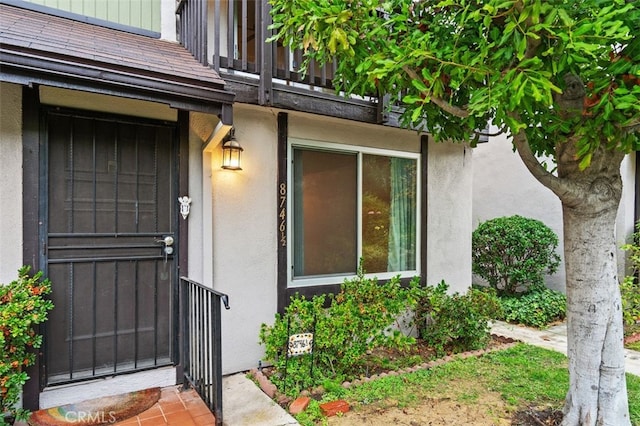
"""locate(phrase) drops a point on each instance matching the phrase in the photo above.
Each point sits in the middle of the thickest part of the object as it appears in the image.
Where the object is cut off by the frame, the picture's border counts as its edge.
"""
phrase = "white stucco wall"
(625, 222)
(244, 236)
(502, 186)
(168, 20)
(10, 181)
(334, 130)
(449, 211)
(200, 254)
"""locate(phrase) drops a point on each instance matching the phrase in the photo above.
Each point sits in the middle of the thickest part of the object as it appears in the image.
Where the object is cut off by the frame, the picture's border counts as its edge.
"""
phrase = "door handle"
(167, 241)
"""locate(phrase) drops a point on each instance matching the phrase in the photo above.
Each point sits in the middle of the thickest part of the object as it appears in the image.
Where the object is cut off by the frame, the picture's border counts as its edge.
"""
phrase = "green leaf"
(583, 29)
(522, 48)
(536, 93)
(344, 16)
(625, 105)
(564, 17)
(416, 114)
(508, 29)
(419, 85)
(332, 44)
(608, 108)
(411, 99)
(585, 161)
(551, 17)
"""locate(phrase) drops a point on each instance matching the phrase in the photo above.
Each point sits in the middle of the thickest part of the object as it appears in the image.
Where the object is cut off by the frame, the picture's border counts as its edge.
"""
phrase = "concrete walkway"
(244, 403)
(555, 338)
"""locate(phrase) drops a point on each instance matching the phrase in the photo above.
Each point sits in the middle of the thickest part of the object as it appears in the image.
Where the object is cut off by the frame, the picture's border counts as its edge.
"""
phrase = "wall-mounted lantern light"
(231, 151)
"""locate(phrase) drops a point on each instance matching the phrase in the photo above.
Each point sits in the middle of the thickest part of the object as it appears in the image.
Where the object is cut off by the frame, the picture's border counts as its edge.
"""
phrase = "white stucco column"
(449, 215)
(10, 181)
(244, 236)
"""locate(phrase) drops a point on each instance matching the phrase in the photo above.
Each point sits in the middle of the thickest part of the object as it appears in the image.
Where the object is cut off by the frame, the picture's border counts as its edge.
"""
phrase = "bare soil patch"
(453, 407)
(537, 417)
(485, 409)
(489, 409)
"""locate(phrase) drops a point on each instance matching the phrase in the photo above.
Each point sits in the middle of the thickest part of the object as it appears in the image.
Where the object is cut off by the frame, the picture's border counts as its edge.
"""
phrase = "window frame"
(359, 151)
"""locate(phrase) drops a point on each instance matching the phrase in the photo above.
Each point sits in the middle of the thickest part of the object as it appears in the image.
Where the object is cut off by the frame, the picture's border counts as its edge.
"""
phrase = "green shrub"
(538, 308)
(513, 253)
(630, 288)
(455, 322)
(23, 305)
(359, 318)
(630, 292)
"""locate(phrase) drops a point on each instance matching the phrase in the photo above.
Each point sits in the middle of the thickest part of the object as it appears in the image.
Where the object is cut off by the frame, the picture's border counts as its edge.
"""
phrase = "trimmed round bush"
(514, 253)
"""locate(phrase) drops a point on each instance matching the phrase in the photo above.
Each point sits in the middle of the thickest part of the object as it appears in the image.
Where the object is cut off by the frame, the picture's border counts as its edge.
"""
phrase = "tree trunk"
(597, 388)
(597, 385)
(590, 198)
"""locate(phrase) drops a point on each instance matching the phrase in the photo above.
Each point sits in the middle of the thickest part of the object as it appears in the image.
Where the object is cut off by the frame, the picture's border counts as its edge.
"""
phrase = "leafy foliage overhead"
(458, 64)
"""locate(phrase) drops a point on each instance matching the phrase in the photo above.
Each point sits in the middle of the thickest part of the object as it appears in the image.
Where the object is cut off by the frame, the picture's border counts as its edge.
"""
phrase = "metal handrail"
(201, 315)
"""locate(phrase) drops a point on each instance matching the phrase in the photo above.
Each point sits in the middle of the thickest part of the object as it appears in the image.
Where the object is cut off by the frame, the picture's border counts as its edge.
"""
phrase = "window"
(350, 203)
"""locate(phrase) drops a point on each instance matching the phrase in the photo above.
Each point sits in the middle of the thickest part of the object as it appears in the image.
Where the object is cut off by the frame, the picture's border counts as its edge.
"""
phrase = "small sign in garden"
(300, 344)
(297, 345)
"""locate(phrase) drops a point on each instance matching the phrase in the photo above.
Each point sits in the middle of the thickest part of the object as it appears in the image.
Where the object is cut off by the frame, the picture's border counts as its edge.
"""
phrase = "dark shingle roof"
(37, 47)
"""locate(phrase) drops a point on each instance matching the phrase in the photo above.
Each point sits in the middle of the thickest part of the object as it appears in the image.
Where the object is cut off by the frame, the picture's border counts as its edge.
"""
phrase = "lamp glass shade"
(231, 151)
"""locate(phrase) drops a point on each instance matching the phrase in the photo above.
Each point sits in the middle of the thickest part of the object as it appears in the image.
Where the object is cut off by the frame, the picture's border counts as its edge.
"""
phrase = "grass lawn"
(480, 390)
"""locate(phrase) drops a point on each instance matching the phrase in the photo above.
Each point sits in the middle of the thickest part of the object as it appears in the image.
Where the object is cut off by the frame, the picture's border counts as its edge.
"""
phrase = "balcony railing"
(236, 42)
(230, 36)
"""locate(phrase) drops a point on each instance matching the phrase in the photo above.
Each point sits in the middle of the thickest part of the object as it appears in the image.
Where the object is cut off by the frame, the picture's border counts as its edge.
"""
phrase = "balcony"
(230, 36)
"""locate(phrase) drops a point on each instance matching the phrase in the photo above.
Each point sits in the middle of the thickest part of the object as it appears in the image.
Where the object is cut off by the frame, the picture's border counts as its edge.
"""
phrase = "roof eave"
(182, 93)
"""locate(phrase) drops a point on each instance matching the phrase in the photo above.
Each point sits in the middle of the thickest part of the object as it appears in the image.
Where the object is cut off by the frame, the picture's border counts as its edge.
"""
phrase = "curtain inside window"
(402, 221)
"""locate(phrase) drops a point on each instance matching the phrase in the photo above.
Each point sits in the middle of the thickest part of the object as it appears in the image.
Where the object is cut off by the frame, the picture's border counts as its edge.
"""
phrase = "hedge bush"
(366, 315)
(346, 326)
(455, 322)
(513, 253)
(630, 288)
(23, 305)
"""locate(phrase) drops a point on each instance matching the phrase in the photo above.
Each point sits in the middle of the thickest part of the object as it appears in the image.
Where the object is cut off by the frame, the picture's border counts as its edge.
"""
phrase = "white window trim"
(359, 150)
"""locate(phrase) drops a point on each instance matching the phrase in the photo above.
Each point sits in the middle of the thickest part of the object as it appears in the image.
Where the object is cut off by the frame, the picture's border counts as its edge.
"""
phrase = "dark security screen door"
(110, 204)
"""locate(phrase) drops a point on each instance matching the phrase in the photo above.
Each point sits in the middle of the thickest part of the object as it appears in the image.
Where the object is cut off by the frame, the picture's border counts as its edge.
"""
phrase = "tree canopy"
(457, 64)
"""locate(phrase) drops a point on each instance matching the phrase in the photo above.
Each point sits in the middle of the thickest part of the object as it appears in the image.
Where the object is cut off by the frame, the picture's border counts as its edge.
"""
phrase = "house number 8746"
(282, 227)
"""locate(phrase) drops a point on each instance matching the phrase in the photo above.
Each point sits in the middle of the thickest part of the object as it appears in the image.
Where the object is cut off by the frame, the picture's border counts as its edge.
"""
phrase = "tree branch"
(441, 103)
(555, 184)
(451, 109)
(631, 127)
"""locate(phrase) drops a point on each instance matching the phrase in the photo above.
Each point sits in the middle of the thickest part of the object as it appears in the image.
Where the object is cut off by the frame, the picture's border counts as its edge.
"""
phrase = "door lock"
(167, 250)
(167, 241)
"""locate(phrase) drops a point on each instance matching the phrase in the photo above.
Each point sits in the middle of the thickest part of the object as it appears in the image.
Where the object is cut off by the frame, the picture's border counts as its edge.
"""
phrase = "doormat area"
(99, 411)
